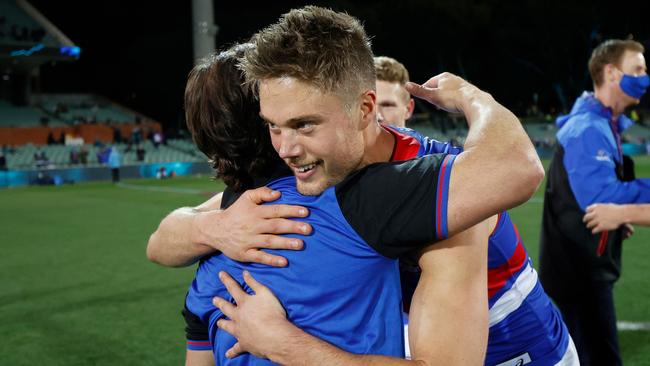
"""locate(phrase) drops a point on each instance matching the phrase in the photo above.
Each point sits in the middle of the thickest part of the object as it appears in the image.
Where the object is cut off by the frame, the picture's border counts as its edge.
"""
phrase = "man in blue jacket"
(578, 269)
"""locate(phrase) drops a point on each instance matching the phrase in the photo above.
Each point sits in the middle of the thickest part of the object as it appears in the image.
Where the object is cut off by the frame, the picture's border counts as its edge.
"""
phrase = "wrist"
(627, 212)
(197, 222)
(474, 101)
(290, 340)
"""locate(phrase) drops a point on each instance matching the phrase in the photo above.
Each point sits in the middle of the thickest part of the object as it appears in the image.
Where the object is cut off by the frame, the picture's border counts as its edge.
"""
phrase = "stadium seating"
(59, 155)
(14, 116)
(76, 108)
(64, 110)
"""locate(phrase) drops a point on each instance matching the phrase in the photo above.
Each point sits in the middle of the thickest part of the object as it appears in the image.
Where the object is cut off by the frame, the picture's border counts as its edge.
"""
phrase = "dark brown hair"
(223, 117)
(326, 49)
(610, 52)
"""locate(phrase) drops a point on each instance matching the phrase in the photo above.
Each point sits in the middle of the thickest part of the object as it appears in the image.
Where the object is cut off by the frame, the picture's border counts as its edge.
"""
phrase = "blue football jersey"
(344, 286)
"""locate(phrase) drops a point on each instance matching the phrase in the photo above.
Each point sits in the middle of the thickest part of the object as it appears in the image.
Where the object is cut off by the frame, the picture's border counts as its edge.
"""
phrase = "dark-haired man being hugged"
(320, 105)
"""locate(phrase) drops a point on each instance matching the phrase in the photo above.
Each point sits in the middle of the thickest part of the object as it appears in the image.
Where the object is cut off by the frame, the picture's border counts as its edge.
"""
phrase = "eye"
(273, 127)
(305, 126)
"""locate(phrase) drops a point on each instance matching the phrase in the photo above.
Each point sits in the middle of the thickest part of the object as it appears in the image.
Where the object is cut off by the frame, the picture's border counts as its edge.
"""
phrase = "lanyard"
(614, 126)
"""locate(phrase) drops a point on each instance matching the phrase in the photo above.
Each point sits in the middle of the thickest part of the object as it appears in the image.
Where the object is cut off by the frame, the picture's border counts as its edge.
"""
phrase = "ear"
(409, 109)
(609, 73)
(368, 108)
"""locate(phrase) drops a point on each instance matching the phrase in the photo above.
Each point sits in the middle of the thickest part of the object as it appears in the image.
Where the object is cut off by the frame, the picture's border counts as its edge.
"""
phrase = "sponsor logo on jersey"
(602, 156)
(517, 361)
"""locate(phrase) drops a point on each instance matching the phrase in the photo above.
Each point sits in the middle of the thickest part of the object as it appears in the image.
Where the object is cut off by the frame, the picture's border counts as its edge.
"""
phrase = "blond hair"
(326, 49)
(390, 70)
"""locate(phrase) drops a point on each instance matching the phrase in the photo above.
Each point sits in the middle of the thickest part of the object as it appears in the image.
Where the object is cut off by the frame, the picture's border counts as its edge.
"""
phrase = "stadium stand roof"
(28, 39)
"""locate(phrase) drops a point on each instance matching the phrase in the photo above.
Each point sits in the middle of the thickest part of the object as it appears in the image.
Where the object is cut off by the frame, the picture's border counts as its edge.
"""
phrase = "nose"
(288, 145)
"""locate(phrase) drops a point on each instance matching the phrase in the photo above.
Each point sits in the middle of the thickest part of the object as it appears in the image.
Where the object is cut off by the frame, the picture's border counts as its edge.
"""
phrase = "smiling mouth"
(305, 168)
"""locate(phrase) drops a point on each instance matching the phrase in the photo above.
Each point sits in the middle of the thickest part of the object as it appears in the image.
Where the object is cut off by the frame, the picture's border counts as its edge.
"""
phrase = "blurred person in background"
(394, 104)
(3, 160)
(114, 163)
(577, 268)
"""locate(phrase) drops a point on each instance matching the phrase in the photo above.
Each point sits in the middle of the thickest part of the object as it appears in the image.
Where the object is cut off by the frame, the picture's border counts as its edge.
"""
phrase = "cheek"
(350, 145)
(276, 141)
(394, 113)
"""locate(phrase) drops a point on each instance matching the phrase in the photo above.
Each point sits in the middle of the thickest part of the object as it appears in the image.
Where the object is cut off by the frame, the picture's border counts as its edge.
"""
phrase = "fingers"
(232, 286)
(429, 88)
(258, 256)
(261, 195)
(445, 98)
(227, 325)
(590, 215)
(284, 226)
(253, 284)
(435, 81)
(422, 92)
(283, 211)
(254, 255)
(226, 307)
(597, 228)
(234, 351)
(279, 242)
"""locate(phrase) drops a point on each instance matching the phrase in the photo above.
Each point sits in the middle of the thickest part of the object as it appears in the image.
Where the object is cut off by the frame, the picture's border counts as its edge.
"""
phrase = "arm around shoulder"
(177, 241)
(499, 168)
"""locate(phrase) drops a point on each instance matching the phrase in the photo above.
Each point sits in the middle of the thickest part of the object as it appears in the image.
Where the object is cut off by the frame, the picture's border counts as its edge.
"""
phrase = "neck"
(379, 144)
(609, 98)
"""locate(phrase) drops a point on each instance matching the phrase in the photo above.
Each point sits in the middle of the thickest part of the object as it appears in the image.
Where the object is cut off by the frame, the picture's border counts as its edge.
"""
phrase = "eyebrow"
(312, 118)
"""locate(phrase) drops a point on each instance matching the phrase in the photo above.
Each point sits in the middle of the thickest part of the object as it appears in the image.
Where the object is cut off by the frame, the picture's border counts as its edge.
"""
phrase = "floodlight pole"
(204, 30)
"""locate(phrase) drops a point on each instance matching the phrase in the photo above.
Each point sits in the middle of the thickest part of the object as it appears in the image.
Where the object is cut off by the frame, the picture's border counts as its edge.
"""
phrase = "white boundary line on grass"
(160, 189)
(625, 325)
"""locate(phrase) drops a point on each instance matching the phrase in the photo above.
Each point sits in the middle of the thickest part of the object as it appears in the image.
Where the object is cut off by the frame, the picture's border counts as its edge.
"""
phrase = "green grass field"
(77, 289)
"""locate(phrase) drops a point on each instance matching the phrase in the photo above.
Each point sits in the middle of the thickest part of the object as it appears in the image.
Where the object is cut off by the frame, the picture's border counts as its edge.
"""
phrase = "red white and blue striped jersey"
(524, 324)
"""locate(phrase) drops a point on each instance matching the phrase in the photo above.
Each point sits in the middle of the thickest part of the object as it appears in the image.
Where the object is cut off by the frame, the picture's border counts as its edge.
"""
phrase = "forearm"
(497, 152)
(177, 242)
(448, 319)
(199, 358)
(299, 348)
(460, 329)
(636, 214)
(496, 134)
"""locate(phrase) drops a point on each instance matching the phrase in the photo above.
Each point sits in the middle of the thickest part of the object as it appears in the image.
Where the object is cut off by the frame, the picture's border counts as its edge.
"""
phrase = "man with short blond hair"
(317, 102)
(394, 104)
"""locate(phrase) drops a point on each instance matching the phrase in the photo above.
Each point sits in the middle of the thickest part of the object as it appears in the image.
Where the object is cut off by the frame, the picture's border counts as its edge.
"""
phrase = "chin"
(310, 189)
